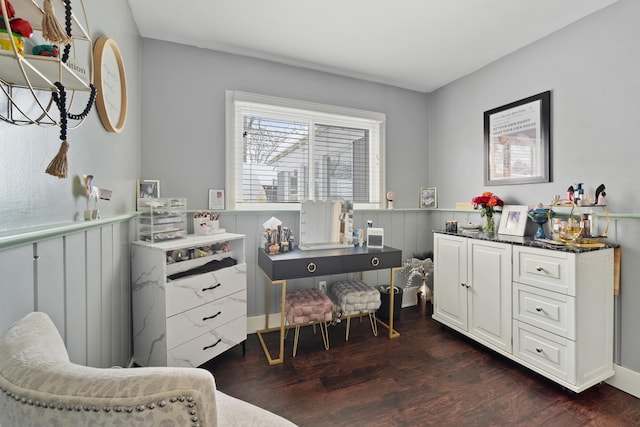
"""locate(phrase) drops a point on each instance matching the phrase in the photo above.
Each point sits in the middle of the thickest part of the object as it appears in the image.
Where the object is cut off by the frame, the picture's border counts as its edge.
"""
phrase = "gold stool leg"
(348, 326)
(295, 340)
(325, 335)
(374, 324)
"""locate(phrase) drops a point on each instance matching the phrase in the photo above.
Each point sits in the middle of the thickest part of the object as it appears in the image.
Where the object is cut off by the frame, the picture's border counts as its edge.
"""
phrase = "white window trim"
(233, 97)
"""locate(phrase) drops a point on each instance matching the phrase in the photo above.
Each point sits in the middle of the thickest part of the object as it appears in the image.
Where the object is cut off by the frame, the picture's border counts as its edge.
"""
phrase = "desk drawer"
(551, 270)
(373, 261)
(546, 351)
(550, 311)
(305, 267)
(184, 294)
(189, 324)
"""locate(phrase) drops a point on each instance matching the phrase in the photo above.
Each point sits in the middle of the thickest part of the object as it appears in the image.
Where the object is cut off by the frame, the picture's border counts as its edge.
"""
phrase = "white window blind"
(281, 152)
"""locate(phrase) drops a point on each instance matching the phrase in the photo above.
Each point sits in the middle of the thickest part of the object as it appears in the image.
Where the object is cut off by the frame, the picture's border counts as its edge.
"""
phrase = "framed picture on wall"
(517, 142)
(428, 197)
(147, 189)
(216, 199)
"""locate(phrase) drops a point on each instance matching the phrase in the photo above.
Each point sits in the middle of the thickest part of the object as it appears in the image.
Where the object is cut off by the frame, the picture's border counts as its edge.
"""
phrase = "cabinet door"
(450, 280)
(489, 292)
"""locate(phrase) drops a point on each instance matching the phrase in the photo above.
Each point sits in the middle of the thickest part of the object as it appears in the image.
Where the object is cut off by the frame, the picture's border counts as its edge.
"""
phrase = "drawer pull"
(211, 287)
(312, 267)
(212, 345)
(539, 309)
(375, 261)
(539, 349)
(212, 317)
(539, 268)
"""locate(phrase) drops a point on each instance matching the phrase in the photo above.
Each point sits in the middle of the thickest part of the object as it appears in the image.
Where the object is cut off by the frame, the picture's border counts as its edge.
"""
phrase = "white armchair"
(39, 386)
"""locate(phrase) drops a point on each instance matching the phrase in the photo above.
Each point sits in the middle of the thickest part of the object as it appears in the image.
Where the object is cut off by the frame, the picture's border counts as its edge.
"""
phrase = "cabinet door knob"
(539, 268)
(375, 261)
(211, 287)
(538, 309)
(464, 285)
(311, 267)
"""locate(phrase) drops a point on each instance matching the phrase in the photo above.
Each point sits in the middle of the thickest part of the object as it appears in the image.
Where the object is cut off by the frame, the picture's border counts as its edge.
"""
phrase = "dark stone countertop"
(530, 241)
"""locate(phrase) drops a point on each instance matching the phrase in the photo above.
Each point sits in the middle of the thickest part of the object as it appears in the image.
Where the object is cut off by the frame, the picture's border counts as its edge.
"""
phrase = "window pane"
(275, 154)
(341, 163)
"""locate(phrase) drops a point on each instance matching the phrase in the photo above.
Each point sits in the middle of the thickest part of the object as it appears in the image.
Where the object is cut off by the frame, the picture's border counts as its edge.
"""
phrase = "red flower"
(487, 202)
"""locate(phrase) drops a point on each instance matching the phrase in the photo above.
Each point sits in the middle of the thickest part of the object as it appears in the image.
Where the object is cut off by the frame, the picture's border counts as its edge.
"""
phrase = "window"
(281, 152)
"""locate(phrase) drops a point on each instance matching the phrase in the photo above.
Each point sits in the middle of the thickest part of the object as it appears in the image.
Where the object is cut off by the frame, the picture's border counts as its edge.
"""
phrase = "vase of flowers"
(488, 204)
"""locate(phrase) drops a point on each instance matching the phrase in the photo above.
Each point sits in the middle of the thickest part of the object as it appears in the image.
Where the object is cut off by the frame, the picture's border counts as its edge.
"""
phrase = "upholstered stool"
(354, 298)
(308, 307)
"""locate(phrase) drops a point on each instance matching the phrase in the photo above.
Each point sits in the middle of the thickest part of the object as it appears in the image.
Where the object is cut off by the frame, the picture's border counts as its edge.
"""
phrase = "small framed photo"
(428, 197)
(147, 189)
(216, 199)
(513, 220)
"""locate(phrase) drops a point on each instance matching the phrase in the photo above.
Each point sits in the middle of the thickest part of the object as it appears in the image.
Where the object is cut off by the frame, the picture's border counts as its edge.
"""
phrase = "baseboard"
(257, 322)
(626, 380)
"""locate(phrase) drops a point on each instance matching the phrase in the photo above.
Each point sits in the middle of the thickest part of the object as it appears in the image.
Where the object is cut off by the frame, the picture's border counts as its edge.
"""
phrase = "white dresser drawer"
(208, 345)
(191, 323)
(546, 351)
(551, 270)
(193, 291)
(550, 311)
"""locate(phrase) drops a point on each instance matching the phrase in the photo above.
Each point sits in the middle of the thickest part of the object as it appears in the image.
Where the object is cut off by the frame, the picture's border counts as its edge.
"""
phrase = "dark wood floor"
(430, 375)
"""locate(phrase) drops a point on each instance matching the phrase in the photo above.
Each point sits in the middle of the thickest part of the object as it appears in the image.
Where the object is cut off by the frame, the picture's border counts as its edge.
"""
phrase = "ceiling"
(414, 44)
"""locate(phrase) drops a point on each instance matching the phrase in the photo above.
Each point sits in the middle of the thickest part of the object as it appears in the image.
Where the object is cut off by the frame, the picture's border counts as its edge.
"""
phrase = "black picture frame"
(517, 142)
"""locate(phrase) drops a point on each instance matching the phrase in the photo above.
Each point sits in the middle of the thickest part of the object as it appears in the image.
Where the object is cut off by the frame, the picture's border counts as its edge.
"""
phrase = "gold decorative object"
(572, 232)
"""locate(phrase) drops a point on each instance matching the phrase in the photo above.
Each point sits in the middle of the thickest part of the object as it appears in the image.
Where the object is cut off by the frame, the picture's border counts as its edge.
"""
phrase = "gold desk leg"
(281, 328)
(392, 332)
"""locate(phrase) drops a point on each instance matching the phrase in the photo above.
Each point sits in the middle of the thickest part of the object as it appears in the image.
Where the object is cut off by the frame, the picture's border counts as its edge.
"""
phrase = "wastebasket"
(385, 302)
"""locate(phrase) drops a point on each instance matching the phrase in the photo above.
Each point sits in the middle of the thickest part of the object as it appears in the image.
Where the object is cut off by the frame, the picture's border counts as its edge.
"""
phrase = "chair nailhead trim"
(191, 404)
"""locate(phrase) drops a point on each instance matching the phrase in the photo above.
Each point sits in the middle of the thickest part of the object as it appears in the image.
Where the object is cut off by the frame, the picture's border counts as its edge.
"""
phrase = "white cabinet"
(473, 282)
(189, 299)
(549, 310)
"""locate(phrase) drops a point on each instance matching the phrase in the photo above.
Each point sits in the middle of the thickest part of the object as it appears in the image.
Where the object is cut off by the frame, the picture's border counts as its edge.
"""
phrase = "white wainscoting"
(79, 275)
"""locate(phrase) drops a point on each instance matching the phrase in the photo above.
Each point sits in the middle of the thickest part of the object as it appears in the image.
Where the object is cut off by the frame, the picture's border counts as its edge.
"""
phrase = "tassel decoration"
(51, 28)
(59, 166)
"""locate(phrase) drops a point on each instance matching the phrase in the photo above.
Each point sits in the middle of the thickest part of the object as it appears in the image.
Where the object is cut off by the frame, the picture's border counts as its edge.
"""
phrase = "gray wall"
(591, 69)
(30, 197)
(183, 116)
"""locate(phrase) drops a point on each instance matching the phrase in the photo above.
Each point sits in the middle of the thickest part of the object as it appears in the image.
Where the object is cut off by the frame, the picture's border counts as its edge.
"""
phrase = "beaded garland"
(58, 166)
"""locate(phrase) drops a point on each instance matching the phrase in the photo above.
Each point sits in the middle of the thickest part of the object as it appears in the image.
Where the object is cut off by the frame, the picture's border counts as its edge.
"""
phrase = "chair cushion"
(354, 296)
(308, 305)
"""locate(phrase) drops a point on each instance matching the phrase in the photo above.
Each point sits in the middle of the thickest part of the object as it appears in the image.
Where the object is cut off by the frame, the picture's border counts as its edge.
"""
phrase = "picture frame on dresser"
(513, 220)
(147, 189)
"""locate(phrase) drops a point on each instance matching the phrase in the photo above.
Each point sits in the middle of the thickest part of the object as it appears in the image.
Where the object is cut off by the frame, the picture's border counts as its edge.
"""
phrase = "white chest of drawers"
(563, 314)
(186, 320)
(560, 304)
